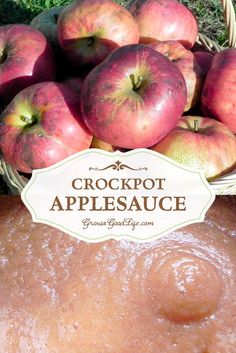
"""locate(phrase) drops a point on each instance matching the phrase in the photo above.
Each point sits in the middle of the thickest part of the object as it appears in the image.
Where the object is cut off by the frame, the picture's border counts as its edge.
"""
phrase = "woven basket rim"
(225, 185)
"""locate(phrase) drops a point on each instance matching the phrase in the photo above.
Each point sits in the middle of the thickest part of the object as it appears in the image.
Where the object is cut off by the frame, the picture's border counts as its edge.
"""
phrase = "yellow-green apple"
(134, 98)
(41, 126)
(164, 20)
(219, 90)
(46, 22)
(26, 58)
(185, 60)
(89, 30)
(102, 145)
(204, 60)
(203, 144)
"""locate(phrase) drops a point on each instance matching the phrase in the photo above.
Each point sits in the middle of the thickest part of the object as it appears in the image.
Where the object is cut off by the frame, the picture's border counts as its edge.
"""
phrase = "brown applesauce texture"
(62, 295)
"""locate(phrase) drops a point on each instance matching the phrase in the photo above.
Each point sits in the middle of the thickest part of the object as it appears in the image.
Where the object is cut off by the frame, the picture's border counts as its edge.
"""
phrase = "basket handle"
(230, 20)
(208, 43)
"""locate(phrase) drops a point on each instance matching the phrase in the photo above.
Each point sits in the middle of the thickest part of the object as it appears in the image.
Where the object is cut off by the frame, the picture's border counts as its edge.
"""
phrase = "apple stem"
(30, 121)
(132, 79)
(3, 56)
(136, 85)
(196, 126)
(90, 41)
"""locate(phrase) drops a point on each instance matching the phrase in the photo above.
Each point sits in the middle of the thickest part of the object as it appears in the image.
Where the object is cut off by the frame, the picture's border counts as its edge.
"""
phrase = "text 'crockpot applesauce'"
(121, 203)
(59, 294)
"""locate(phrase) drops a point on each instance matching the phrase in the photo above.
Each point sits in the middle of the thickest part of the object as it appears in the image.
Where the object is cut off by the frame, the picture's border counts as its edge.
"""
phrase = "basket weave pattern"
(225, 185)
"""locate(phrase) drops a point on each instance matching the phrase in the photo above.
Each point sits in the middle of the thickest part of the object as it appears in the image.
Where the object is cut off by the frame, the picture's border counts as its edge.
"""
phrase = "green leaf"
(48, 3)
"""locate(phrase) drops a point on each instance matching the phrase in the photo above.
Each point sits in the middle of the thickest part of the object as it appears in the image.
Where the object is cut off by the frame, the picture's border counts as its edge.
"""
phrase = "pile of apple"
(95, 74)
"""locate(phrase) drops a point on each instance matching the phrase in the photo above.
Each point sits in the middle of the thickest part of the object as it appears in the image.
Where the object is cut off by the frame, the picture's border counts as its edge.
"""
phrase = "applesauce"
(61, 295)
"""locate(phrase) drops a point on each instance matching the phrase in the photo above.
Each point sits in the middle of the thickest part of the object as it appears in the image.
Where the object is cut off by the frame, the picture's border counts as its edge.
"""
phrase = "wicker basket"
(225, 185)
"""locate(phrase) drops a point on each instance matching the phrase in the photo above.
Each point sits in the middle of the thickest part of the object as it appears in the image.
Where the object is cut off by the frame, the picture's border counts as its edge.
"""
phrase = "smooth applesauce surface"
(61, 295)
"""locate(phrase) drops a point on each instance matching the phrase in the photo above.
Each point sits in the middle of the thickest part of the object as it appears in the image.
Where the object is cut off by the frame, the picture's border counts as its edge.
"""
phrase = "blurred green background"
(208, 12)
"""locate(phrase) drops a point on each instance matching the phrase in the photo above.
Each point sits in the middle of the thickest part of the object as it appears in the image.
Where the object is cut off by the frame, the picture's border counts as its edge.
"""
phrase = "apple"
(46, 22)
(26, 58)
(204, 60)
(41, 126)
(219, 90)
(164, 20)
(134, 98)
(102, 145)
(201, 143)
(185, 60)
(89, 30)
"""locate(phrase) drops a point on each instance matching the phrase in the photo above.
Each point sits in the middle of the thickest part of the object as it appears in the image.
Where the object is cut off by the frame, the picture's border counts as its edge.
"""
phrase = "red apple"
(89, 30)
(134, 98)
(41, 126)
(25, 59)
(164, 20)
(46, 22)
(202, 144)
(185, 60)
(219, 90)
(204, 60)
